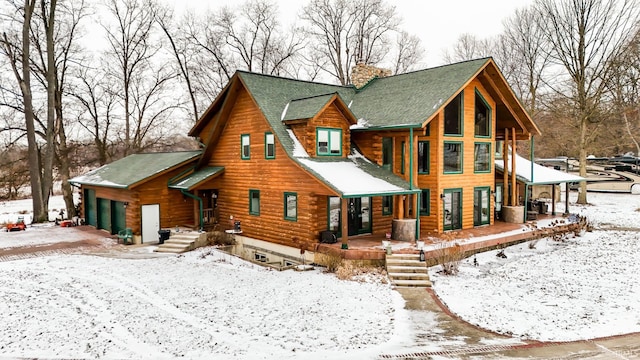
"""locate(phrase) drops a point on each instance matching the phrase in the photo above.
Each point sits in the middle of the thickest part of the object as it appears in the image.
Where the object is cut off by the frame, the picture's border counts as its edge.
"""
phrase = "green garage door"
(118, 218)
(104, 214)
(90, 211)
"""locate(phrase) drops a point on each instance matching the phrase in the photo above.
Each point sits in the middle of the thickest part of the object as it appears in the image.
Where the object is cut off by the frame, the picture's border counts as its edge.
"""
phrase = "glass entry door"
(452, 205)
(481, 206)
(358, 216)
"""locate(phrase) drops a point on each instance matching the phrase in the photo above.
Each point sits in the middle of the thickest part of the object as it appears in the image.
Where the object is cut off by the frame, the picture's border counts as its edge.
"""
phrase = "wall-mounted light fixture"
(126, 203)
(442, 196)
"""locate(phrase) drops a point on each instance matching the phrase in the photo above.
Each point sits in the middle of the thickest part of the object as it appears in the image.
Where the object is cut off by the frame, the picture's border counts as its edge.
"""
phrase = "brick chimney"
(362, 74)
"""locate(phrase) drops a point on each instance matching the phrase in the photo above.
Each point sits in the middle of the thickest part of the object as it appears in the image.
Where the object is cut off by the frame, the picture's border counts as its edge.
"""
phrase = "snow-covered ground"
(582, 288)
(206, 304)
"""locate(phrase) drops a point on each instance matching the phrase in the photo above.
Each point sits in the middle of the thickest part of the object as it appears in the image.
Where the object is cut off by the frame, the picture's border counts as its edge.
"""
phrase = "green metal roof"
(399, 101)
(305, 108)
(195, 178)
(134, 168)
(412, 98)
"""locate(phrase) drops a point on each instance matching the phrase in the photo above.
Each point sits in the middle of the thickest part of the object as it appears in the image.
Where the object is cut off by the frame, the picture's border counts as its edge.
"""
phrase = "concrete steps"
(179, 243)
(406, 270)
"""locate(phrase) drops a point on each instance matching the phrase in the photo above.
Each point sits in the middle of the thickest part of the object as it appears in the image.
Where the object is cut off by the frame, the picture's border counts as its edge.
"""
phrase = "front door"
(358, 217)
(481, 206)
(452, 204)
(150, 223)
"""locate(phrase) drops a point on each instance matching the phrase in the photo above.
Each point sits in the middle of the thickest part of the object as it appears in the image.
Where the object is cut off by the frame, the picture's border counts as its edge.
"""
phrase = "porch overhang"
(190, 181)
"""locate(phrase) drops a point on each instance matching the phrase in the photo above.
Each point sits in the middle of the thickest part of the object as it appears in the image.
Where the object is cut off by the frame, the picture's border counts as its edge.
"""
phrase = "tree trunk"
(582, 196)
(39, 209)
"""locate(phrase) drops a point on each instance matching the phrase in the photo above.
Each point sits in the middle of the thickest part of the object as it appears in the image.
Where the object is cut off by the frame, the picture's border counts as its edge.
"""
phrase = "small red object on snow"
(17, 226)
(66, 223)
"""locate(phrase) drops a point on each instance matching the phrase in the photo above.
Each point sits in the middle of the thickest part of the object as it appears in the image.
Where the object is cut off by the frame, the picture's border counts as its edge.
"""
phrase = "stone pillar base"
(513, 214)
(403, 230)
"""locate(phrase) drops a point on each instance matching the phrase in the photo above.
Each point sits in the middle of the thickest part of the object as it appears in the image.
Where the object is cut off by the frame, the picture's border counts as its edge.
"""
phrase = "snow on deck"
(541, 174)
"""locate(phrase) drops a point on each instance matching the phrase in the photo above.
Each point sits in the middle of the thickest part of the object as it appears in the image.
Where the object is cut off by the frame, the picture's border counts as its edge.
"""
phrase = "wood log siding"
(272, 177)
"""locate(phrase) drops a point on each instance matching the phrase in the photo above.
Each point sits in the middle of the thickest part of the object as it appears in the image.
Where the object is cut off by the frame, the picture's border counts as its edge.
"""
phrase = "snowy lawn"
(582, 288)
(204, 304)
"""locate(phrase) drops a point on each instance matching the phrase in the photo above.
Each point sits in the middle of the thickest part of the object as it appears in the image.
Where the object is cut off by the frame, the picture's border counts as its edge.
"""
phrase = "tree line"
(85, 83)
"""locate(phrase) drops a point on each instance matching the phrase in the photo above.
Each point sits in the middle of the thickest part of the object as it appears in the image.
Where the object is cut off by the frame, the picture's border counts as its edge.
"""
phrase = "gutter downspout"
(186, 193)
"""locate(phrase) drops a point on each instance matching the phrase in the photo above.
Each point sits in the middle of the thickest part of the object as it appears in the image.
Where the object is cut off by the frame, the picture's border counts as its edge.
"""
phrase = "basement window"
(260, 257)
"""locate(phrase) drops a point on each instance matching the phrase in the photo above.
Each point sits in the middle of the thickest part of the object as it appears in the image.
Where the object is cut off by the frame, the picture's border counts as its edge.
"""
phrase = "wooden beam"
(344, 213)
(505, 102)
(505, 175)
(514, 189)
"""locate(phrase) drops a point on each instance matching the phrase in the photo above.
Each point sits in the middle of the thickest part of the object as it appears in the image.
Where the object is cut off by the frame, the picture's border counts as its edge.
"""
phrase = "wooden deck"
(369, 247)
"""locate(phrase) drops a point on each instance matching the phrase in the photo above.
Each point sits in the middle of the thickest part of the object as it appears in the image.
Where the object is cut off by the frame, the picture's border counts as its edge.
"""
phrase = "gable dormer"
(321, 124)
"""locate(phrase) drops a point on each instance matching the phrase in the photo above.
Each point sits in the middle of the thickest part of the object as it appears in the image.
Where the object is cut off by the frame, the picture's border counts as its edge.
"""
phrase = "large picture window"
(245, 147)
(453, 116)
(482, 157)
(452, 157)
(291, 206)
(269, 146)
(423, 157)
(482, 117)
(254, 202)
(329, 141)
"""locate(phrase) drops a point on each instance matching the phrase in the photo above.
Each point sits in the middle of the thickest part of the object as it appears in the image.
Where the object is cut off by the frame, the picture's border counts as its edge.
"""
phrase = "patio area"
(369, 247)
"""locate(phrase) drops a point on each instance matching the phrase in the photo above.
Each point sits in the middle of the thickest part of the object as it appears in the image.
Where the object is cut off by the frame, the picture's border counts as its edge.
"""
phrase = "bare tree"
(144, 76)
(522, 51)
(181, 50)
(17, 51)
(96, 100)
(247, 37)
(624, 89)
(584, 35)
(469, 47)
(409, 51)
(131, 47)
(347, 32)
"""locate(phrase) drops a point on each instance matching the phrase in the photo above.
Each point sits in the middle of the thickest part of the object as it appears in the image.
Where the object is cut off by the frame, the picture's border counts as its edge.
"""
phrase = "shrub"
(217, 237)
(449, 255)
(331, 261)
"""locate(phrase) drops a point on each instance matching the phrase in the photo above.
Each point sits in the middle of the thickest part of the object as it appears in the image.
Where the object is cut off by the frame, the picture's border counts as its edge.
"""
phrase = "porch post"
(514, 189)
(505, 175)
(553, 199)
(344, 213)
(399, 207)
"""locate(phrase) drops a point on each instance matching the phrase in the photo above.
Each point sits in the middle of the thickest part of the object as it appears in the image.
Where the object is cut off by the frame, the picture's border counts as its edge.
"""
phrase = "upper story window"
(452, 157)
(329, 141)
(453, 116)
(245, 146)
(387, 153)
(423, 157)
(269, 146)
(482, 157)
(482, 117)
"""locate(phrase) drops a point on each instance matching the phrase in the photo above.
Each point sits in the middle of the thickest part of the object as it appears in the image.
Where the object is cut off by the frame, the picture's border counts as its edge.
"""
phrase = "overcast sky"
(438, 23)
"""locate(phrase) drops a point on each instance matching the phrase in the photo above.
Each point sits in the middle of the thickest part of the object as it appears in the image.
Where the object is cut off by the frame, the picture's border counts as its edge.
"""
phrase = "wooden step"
(406, 269)
(412, 283)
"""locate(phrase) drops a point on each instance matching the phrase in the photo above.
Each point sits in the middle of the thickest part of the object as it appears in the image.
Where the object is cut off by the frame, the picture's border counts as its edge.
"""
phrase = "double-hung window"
(329, 141)
(245, 147)
(269, 146)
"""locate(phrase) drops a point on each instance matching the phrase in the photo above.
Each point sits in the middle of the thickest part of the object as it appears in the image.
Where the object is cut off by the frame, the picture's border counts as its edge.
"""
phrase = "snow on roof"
(349, 179)
(298, 149)
(541, 174)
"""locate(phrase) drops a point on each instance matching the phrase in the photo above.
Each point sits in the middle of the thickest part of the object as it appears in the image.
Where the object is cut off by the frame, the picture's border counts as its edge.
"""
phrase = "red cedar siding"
(272, 177)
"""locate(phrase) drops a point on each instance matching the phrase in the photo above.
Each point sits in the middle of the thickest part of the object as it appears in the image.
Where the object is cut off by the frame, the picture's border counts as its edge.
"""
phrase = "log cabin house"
(291, 160)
